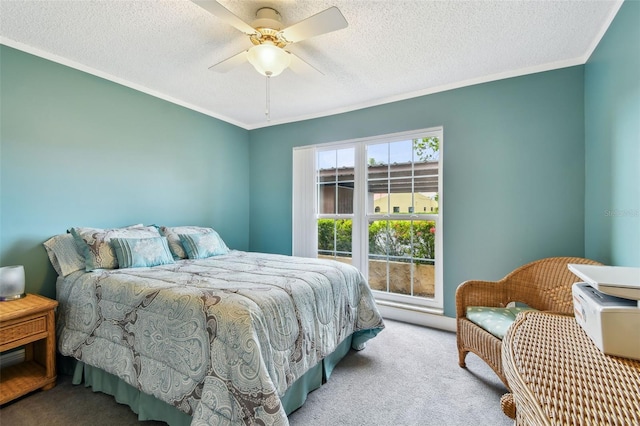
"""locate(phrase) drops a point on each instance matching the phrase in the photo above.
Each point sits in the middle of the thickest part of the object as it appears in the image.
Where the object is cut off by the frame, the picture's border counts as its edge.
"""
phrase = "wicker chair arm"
(479, 293)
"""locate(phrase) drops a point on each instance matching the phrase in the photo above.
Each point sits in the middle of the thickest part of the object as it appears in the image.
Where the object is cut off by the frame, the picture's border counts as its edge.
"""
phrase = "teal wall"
(612, 140)
(77, 150)
(513, 171)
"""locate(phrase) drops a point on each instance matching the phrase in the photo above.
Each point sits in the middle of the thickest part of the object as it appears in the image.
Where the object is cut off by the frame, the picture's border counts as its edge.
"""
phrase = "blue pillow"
(172, 233)
(495, 320)
(142, 252)
(200, 246)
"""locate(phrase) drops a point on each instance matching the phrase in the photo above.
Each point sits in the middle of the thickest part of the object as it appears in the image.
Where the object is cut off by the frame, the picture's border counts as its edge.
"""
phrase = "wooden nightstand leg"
(51, 349)
(44, 353)
(41, 356)
(49, 386)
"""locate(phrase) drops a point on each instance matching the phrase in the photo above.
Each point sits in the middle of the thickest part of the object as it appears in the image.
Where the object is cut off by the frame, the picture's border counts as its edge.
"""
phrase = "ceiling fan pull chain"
(267, 110)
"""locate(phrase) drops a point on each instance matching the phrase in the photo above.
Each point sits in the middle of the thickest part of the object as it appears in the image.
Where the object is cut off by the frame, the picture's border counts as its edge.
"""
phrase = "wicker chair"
(543, 284)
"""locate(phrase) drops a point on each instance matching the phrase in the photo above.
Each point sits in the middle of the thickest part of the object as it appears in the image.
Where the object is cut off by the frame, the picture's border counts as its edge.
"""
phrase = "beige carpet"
(407, 375)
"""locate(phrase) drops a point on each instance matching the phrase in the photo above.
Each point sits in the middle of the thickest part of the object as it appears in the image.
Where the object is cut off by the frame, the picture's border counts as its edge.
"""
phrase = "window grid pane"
(335, 239)
(402, 249)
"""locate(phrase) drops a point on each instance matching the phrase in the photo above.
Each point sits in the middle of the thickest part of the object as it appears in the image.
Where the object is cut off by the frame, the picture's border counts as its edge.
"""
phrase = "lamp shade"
(268, 59)
(11, 282)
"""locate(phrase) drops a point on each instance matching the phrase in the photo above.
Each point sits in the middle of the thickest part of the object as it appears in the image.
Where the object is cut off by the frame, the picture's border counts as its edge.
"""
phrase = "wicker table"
(558, 376)
(28, 322)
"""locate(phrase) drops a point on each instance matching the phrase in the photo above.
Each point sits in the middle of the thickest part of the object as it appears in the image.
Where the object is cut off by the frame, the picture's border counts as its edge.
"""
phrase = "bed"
(205, 335)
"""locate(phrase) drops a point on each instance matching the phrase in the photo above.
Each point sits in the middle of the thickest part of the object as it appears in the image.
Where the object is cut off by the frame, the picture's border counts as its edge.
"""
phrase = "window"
(335, 184)
(401, 249)
(376, 205)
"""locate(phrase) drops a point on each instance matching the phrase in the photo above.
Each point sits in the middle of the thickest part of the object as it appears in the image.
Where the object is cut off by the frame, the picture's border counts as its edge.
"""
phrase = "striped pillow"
(142, 252)
(200, 246)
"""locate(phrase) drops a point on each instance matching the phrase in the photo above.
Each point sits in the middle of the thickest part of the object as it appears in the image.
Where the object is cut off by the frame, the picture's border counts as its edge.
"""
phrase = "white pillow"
(64, 254)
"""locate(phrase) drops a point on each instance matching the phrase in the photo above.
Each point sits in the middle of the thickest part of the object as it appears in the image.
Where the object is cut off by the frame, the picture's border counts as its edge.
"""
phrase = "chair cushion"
(495, 320)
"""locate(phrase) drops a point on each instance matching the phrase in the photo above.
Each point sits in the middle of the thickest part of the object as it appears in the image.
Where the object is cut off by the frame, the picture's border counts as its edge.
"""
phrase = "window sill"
(419, 315)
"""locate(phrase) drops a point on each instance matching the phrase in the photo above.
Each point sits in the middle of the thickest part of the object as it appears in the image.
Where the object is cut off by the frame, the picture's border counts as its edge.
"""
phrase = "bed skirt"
(148, 407)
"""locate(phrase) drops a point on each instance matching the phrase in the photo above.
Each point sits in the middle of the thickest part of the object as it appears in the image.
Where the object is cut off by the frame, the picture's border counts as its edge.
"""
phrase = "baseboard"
(11, 358)
(416, 315)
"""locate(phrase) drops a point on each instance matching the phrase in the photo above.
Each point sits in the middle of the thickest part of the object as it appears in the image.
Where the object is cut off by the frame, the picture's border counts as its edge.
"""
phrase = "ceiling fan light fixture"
(268, 60)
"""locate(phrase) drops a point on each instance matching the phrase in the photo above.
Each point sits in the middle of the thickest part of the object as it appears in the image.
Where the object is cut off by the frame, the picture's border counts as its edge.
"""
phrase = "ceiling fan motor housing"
(268, 26)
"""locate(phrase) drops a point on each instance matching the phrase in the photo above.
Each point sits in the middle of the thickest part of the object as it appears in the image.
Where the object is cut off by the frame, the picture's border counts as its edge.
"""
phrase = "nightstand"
(28, 322)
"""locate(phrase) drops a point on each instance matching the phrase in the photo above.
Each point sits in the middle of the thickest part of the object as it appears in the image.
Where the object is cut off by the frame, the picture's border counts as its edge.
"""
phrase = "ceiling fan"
(268, 55)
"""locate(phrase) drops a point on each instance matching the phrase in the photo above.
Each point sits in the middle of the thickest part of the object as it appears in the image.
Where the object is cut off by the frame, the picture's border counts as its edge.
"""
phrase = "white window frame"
(305, 212)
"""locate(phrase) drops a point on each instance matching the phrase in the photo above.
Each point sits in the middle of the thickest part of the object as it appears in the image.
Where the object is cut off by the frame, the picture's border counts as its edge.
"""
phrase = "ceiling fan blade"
(302, 67)
(230, 63)
(225, 14)
(321, 23)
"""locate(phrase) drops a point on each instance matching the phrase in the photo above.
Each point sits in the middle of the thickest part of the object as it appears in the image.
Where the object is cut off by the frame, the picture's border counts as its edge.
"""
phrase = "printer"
(607, 307)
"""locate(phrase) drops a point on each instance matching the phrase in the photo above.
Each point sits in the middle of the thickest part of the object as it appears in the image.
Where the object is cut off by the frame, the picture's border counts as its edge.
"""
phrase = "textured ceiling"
(391, 50)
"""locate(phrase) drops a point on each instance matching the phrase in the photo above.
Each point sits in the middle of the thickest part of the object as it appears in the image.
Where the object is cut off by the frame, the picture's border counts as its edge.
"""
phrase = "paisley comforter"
(221, 338)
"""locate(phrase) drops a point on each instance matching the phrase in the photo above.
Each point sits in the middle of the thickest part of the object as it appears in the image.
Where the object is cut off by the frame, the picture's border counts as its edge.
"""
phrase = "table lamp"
(11, 283)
